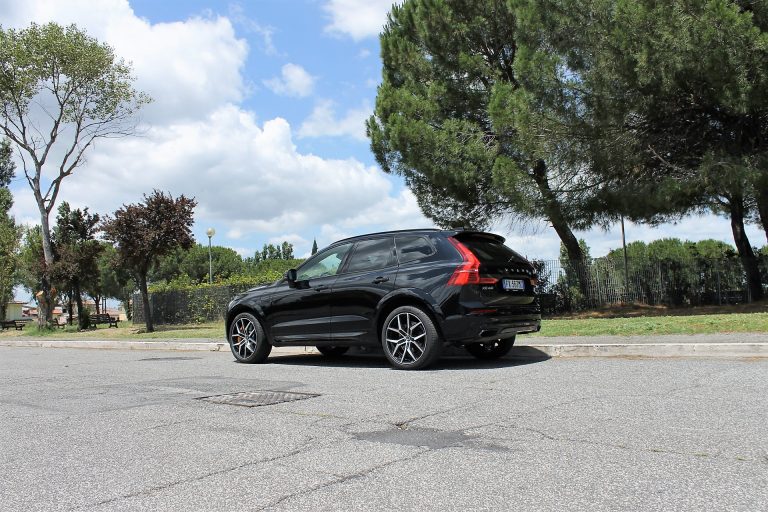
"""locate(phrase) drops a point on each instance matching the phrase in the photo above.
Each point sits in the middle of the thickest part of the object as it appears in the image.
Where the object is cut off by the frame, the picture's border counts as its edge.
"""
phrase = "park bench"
(13, 324)
(103, 319)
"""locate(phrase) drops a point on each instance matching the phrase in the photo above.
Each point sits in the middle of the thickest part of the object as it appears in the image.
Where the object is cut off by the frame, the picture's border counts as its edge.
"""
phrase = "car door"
(301, 311)
(368, 275)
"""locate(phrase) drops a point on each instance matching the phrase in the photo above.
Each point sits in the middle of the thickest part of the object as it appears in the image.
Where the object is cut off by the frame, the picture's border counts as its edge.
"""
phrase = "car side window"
(372, 255)
(411, 248)
(326, 263)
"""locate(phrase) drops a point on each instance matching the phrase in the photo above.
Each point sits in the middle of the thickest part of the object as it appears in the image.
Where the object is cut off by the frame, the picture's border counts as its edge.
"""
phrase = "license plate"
(513, 284)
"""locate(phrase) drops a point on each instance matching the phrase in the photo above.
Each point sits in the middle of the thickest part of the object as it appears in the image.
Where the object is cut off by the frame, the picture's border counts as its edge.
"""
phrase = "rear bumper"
(473, 328)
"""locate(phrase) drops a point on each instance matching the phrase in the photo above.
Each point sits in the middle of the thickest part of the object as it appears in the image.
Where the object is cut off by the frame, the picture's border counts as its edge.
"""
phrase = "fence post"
(719, 295)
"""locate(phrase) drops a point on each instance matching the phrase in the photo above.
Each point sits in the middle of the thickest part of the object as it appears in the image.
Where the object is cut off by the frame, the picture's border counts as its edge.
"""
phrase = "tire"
(247, 339)
(490, 350)
(410, 339)
(332, 351)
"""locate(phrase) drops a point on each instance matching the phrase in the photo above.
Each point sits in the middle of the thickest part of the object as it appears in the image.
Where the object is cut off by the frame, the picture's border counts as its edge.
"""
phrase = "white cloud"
(237, 14)
(250, 181)
(322, 122)
(357, 19)
(189, 68)
(293, 81)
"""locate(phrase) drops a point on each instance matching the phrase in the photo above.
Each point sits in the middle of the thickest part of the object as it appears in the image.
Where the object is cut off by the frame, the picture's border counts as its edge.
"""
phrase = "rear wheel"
(332, 351)
(247, 339)
(491, 349)
(410, 339)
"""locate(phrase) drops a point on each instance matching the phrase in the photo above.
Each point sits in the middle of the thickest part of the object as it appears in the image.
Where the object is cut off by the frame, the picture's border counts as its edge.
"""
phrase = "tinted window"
(371, 255)
(489, 250)
(326, 263)
(411, 248)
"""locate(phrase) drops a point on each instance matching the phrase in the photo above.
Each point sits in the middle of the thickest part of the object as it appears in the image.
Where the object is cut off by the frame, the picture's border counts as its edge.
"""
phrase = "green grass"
(633, 326)
(654, 325)
(127, 331)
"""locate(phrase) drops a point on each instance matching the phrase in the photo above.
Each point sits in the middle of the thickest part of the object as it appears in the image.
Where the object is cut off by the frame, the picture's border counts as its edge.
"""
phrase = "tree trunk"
(45, 300)
(744, 247)
(554, 212)
(81, 317)
(761, 193)
(71, 293)
(97, 301)
(145, 300)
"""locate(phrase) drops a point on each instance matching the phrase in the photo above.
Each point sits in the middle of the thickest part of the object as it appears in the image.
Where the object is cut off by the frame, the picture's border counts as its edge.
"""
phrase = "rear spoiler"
(459, 234)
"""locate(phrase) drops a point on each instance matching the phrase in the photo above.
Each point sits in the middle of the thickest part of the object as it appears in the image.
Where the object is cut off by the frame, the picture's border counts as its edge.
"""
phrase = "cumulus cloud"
(323, 122)
(250, 180)
(189, 68)
(293, 81)
(357, 19)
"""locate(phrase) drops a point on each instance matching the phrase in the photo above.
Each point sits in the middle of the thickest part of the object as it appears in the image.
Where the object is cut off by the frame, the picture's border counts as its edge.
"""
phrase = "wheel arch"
(408, 298)
(244, 308)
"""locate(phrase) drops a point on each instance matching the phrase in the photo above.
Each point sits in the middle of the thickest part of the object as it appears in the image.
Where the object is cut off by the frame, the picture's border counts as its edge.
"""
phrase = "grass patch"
(655, 325)
(126, 331)
(575, 326)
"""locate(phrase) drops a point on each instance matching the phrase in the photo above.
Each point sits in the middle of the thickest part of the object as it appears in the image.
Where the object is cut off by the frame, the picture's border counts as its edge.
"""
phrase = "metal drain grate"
(257, 398)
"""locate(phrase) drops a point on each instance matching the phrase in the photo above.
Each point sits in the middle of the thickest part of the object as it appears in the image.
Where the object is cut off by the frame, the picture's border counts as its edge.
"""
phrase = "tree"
(144, 232)
(114, 280)
(10, 233)
(194, 264)
(76, 254)
(677, 91)
(314, 246)
(456, 117)
(60, 91)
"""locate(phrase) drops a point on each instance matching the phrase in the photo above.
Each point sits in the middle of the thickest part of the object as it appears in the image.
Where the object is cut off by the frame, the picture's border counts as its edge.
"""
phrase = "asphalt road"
(120, 430)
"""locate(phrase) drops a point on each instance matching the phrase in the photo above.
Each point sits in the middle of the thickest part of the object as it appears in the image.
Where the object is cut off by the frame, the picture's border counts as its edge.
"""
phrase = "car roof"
(422, 231)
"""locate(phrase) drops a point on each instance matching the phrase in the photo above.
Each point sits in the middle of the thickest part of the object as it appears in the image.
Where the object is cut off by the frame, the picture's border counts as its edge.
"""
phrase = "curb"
(644, 350)
(119, 345)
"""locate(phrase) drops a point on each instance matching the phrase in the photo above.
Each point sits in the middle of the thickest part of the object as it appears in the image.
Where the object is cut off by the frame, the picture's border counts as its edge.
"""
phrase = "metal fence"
(566, 286)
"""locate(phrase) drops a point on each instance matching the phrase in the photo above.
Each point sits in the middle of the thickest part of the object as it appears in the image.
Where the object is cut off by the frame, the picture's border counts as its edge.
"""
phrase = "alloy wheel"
(244, 337)
(406, 338)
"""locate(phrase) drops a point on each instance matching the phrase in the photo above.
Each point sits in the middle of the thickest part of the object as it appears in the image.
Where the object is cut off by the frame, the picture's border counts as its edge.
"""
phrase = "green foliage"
(193, 263)
(146, 231)
(76, 254)
(32, 262)
(314, 247)
(114, 280)
(60, 91)
(10, 233)
(674, 99)
(7, 168)
(458, 117)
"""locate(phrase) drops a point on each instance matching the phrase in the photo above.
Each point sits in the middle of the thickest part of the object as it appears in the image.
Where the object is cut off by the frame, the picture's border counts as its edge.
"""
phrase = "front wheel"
(248, 340)
(410, 339)
(491, 349)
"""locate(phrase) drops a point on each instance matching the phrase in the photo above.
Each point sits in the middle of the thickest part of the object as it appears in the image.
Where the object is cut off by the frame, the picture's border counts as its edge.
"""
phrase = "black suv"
(411, 292)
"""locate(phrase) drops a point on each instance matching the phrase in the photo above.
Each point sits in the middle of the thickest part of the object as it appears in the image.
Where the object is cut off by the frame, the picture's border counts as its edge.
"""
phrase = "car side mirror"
(290, 276)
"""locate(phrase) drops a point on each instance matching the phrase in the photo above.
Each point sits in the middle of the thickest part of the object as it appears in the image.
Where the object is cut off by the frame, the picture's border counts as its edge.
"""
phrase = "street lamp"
(210, 232)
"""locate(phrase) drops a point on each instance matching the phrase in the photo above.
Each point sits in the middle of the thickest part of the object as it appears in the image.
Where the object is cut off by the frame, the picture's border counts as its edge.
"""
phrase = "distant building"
(14, 310)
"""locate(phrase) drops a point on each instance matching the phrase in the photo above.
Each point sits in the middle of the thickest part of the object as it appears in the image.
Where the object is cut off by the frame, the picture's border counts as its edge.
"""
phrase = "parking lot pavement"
(128, 430)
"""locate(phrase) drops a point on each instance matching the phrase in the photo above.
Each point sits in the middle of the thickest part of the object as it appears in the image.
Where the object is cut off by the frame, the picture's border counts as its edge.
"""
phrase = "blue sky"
(258, 111)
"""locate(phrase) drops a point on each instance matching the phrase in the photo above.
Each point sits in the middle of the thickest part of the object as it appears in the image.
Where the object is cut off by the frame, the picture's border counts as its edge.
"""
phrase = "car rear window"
(489, 250)
(412, 247)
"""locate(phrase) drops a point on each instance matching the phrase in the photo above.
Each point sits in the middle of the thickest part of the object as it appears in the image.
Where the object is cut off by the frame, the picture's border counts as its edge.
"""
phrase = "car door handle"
(380, 280)
(321, 287)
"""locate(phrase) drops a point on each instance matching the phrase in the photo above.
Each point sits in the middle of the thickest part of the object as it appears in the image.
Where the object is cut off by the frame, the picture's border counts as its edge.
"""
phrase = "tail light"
(469, 271)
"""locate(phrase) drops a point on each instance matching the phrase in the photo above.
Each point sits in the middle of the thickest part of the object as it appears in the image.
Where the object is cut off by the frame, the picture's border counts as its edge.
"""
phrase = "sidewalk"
(741, 345)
